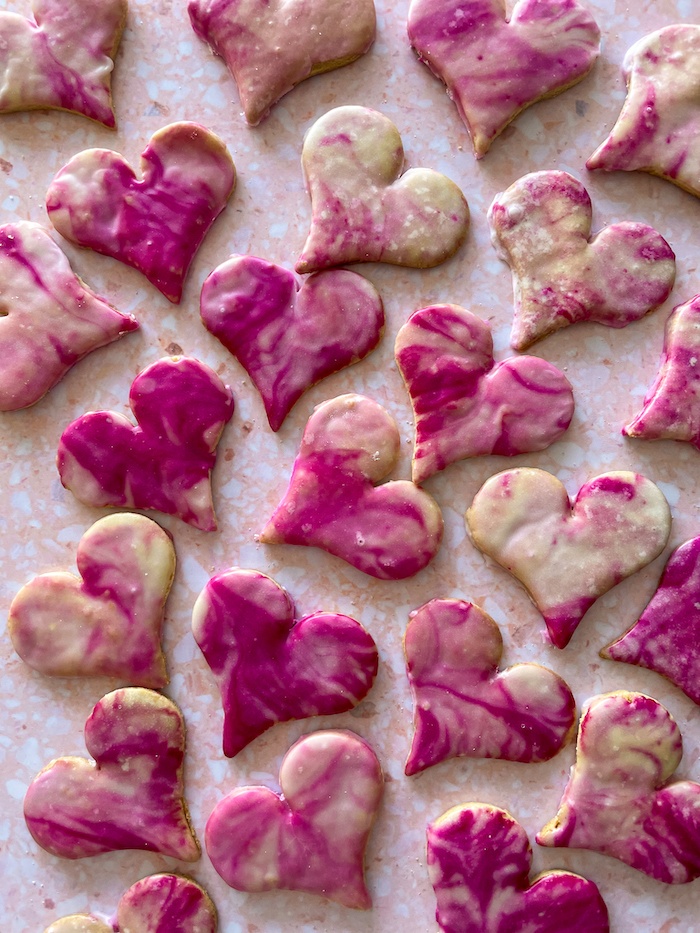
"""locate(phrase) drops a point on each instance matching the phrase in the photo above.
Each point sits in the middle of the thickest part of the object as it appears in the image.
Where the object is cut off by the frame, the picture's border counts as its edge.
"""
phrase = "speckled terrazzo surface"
(163, 74)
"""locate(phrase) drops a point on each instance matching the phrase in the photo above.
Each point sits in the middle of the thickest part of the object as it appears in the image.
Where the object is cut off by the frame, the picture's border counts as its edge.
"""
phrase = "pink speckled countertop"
(164, 73)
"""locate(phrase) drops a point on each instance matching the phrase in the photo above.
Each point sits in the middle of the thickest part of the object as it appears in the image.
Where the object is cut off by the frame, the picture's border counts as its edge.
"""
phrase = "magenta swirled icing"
(479, 861)
(271, 667)
(363, 209)
(130, 796)
(270, 46)
(467, 405)
(464, 705)
(568, 554)
(312, 836)
(658, 129)
(156, 223)
(541, 226)
(495, 67)
(390, 531)
(50, 319)
(163, 463)
(108, 622)
(621, 799)
(288, 333)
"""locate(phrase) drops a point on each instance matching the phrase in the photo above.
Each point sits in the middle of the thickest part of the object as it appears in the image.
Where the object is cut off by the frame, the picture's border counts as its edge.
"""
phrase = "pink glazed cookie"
(548, 45)
(270, 47)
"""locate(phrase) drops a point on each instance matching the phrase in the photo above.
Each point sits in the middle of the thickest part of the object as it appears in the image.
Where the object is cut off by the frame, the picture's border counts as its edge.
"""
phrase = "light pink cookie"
(568, 554)
(289, 334)
(620, 800)
(363, 209)
(464, 705)
(163, 463)
(479, 861)
(50, 320)
(108, 622)
(351, 444)
(270, 47)
(467, 405)
(549, 45)
(312, 836)
(157, 223)
(130, 796)
(541, 226)
(658, 130)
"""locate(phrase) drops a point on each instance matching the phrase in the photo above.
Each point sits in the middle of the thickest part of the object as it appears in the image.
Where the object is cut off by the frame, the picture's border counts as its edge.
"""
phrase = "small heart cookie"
(620, 800)
(463, 704)
(541, 227)
(155, 224)
(49, 318)
(63, 58)
(312, 836)
(130, 796)
(270, 47)
(568, 554)
(549, 46)
(109, 622)
(287, 334)
(270, 667)
(467, 405)
(363, 209)
(164, 463)
(479, 861)
(350, 444)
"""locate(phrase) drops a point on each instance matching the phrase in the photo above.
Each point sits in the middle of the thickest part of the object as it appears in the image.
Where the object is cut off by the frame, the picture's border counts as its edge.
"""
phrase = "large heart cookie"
(658, 130)
(541, 227)
(363, 209)
(479, 861)
(108, 623)
(271, 668)
(164, 463)
(290, 334)
(310, 838)
(63, 59)
(549, 46)
(130, 796)
(155, 224)
(620, 800)
(567, 555)
(350, 444)
(463, 704)
(49, 319)
(270, 47)
(467, 405)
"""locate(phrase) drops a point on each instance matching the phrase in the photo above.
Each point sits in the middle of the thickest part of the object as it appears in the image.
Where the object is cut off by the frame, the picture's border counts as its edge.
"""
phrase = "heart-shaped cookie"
(312, 836)
(288, 334)
(467, 405)
(130, 796)
(155, 224)
(658, 130)
(109, 622)
(479, 861)
(549, 46)
(620, 800)
(350, 444)
(270, 47)
(568, 554)
(63, 58)
(270, 667)
(363, 209)
(164, 463)
(49, 318)
(463, 704)
(541, 227)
